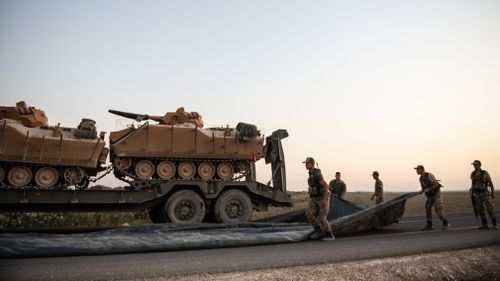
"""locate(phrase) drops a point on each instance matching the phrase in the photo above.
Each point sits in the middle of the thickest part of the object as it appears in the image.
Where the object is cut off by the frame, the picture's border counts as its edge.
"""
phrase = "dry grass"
(454, 202)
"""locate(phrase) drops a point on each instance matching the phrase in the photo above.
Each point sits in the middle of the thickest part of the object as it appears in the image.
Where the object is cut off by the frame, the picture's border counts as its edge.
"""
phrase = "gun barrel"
(156, 118)
(129, 115)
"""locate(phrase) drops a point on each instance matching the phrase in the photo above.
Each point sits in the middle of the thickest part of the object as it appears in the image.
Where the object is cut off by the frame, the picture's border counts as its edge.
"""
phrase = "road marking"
(409, 233)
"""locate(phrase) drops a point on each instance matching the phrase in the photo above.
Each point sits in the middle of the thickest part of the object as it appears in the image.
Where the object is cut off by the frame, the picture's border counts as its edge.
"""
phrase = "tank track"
(130, 177)
(61, 184)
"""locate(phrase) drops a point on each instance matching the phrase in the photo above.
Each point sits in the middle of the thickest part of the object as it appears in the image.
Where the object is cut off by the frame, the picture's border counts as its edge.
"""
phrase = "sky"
(359, 85)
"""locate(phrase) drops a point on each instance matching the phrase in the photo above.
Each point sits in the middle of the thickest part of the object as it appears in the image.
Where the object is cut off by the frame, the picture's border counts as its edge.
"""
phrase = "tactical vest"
(479, 182)
(315, 188)
(427, 183)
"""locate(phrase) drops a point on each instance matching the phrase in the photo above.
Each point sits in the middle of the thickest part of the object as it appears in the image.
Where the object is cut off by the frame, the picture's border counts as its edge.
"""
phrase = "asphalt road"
(401, 239)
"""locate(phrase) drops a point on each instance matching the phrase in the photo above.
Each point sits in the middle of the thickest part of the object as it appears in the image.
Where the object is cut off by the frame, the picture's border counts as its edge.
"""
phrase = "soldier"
(482, 196)
(379, 189)
(432, 189)
(319, 202)
(337, 186)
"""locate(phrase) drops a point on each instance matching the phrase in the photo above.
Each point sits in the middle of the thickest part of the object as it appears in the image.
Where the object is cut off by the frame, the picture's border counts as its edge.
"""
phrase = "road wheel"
(185, 206)
(20, 176)
(233, 207)
(206, 171)
(74, 175)
(186, 170)
(144, 169)
(122, 163)
(46, 177)
(225, 171)
(2, 174)
(165, 170)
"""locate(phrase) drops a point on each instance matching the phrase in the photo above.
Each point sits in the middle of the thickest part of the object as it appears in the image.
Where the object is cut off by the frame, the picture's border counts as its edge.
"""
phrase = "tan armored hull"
(184, 141)
(179, 147)
(40, 146)
(49, 156)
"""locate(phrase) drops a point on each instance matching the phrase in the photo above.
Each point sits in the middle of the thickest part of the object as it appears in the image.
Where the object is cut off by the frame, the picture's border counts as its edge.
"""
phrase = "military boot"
(317, 234)
(428, 226)
(494, 221)
(484, 224)
(445, 225)
(328, 237)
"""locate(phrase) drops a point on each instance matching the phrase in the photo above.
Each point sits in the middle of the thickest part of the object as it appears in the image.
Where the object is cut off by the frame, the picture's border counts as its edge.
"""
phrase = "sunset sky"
(359, 85)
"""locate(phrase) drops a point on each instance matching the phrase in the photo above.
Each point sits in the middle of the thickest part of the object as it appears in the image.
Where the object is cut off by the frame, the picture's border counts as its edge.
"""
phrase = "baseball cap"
(309, 160)
(476, 162)
(419, 167)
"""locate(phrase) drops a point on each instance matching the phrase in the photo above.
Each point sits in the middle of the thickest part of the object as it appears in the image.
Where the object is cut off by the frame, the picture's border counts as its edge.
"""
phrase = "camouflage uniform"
(379, 191)
(337, 187)
(482, 197)
(318, 207)
(433, 198)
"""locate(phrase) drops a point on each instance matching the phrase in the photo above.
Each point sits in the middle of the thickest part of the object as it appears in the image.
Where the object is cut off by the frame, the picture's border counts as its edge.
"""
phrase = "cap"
(419, 167)
(375, 173)
(337, 173)
(476, 162)
(309, 160)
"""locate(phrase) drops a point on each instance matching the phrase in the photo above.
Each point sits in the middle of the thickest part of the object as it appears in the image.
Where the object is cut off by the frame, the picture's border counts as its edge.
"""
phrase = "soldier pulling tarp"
(344, 217)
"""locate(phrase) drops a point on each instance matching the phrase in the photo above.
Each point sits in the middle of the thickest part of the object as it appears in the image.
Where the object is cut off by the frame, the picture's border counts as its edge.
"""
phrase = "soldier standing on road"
(319, 202)
(432, 189)
(482, 196)
(337, 186)
(379, 189)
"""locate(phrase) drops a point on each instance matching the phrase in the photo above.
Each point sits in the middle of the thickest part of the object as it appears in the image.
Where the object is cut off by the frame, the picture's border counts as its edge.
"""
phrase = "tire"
(158, 214)
(2, 175)
(186, 207)
(233, 207)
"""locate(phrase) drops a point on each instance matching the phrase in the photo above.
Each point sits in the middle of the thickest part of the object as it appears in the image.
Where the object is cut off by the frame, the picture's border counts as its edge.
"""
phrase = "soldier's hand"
(492, 195)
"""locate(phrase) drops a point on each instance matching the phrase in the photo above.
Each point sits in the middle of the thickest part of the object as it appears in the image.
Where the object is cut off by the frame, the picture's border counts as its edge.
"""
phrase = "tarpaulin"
(345, 218)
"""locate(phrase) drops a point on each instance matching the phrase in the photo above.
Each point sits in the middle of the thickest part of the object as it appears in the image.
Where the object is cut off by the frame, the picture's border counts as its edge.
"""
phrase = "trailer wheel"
(158, 214)
(185, 206)
(2, 175)
(233, 207)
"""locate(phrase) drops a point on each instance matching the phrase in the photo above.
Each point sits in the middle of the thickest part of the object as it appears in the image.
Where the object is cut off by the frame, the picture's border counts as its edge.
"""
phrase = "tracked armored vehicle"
(179, 147)
(34, 154)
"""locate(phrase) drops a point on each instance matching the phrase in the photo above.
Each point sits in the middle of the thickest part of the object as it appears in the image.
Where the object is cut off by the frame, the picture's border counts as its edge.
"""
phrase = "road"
(397, 240)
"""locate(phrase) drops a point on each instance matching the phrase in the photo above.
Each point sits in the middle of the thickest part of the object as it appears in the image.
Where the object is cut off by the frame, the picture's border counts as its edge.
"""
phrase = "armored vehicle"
(179, 147)
(32, 153)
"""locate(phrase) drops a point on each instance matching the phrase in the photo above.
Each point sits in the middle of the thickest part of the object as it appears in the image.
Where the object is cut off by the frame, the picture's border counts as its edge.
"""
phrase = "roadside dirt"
(470, 264)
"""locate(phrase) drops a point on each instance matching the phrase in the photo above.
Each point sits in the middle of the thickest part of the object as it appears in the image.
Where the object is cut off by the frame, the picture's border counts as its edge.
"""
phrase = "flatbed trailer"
(152, 197)
(177, 201)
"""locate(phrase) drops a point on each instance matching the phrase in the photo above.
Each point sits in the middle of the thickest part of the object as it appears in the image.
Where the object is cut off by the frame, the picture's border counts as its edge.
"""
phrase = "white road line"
(409, 233)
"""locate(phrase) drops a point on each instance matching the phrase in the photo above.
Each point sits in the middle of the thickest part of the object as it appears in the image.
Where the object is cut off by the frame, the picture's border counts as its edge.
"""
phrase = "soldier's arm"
(376, 193)
(471, 181)
(344, 188)
(490, 183)
(331, 185)
(326, 193)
